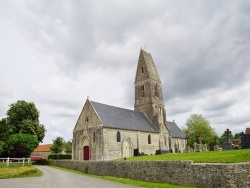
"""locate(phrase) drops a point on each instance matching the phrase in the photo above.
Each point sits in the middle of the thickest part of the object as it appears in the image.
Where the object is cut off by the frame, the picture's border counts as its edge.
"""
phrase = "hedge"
(59, 156)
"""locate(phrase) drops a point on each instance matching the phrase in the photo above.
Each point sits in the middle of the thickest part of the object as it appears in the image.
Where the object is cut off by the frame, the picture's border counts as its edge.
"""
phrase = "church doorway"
(86, 153)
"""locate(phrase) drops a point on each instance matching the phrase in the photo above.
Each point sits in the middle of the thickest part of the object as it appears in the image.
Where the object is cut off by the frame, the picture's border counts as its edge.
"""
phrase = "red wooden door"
(86, 153)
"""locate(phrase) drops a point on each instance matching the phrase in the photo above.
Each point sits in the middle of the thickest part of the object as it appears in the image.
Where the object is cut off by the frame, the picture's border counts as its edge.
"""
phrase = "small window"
(94, 137)
(86, 119)
(118, 137)
(142, 70)
(149, 139)
(142, 91)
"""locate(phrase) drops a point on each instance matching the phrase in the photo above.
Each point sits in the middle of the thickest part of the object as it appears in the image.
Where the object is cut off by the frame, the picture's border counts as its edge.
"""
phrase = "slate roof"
(175, 130)
(120, 118)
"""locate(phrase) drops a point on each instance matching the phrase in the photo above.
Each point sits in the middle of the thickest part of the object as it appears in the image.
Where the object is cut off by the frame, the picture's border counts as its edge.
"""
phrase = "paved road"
(55, 178)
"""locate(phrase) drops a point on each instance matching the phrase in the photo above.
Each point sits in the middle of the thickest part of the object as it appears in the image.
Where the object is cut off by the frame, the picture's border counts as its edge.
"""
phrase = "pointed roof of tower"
(146, 61)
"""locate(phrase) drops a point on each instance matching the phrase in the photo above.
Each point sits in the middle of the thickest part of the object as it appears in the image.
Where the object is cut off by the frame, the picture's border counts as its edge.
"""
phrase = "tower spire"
(148, 90)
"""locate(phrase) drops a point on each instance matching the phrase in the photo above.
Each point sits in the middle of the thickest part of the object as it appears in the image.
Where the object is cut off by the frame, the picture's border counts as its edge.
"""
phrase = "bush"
(236, 147)
(86, 169)
(42, 162)
(60, 156)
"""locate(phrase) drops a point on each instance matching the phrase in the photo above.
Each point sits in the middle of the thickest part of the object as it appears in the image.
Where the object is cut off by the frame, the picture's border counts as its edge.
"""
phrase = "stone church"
(104, 132)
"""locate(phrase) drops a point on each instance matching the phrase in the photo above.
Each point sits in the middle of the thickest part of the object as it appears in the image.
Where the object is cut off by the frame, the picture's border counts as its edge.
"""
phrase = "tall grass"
(18, 170)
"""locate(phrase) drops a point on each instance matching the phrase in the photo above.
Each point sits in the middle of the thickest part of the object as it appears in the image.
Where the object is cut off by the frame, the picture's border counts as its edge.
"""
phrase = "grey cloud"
(201, 50)
(217, 105)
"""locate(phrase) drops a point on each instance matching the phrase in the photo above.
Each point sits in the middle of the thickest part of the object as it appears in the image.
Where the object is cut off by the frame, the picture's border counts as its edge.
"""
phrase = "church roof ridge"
(175, 130)
(121, 118)
(111, 105)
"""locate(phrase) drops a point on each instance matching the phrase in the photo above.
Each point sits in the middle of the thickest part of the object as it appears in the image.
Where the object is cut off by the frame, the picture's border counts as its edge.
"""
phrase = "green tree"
(238, 135)
(1, 148)
(196, 125)
(58, 144)
(4, 130)
(21, 145)
(68, 147)
(4, 135)
(23, 117)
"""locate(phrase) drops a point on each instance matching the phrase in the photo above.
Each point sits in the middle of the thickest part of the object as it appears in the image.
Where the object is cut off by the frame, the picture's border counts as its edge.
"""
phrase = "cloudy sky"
(56, 53)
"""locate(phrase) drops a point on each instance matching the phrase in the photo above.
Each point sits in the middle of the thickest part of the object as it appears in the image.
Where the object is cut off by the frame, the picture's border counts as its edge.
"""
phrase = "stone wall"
(135, 139)
(176, 172)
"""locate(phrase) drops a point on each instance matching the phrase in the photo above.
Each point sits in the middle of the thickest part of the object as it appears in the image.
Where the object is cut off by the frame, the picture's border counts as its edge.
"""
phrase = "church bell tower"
(148, 91)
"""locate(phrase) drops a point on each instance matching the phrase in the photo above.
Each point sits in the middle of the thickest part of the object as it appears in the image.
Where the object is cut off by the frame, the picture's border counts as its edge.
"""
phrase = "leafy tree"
(1, 148)
(33, 128)
(4, 130)
(23, 117)
(4, 135)
(68, 147)
(196, 125)
(238, 135)
(21, 145)
(58, 145)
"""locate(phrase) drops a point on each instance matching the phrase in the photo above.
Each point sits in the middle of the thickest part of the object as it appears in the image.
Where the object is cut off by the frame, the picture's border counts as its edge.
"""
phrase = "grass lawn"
(16, 171)
(128, 181)
(229, 156)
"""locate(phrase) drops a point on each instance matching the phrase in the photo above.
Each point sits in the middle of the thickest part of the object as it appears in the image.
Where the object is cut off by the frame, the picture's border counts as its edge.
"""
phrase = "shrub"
(86, 170)
(60, 156)
(43, 162)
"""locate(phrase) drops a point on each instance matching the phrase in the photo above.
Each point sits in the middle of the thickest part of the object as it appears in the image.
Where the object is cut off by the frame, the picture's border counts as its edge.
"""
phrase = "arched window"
(118, 137)
(86, 119)
(142, 70)
(149, 139)
(94, 137)
(142, 91)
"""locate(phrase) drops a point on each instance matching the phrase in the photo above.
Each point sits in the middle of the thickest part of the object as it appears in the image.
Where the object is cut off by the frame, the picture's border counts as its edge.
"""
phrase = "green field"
(14, 171)
(230, 156)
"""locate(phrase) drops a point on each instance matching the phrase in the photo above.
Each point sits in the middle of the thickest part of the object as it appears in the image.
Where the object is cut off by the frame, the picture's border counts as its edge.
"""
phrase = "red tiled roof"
(43, 148)
(236, 141)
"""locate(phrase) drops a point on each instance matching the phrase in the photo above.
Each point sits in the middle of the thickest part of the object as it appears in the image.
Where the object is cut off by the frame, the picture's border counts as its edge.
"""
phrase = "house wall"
(178, 145)
(88, 123)
(175, 172)
(106, 146)
(134, 140)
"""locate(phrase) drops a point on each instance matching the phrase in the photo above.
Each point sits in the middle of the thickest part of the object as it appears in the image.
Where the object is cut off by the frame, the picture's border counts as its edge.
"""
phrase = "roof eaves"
(95, 111)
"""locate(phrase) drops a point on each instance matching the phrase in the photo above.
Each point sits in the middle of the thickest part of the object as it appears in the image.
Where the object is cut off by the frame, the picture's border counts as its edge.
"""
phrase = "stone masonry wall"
(176, 172)
(137, 140)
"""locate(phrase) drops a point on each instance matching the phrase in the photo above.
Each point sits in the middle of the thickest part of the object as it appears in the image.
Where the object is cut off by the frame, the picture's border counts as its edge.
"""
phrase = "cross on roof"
(227, 133)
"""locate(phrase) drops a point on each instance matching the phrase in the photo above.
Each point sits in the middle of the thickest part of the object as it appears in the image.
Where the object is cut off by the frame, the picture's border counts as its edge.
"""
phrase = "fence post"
(8, 161)
(23, 161)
